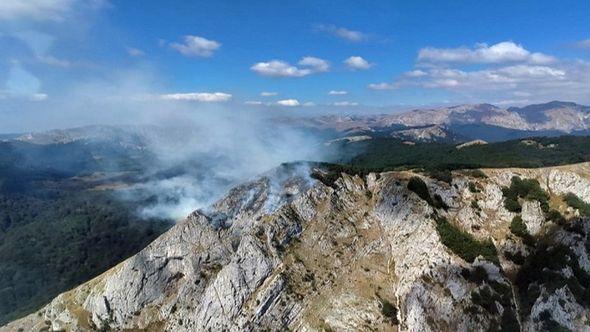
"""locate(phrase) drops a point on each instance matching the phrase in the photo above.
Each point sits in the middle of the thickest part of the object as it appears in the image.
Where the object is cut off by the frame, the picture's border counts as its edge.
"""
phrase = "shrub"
(389, 311)
(486, 299)
(555, 216)
(574, 201)
(441, 175)
(464, 244)
(518, 228)
(419, 187)
(473, 187)
(512, 205)
(478, 275)
(528, 189)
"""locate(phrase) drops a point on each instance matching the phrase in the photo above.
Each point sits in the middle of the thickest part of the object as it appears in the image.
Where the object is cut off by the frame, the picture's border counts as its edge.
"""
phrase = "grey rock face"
(285, 251)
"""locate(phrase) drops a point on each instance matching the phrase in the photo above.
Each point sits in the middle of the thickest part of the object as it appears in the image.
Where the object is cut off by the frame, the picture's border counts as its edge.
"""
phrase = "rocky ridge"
(358, 253)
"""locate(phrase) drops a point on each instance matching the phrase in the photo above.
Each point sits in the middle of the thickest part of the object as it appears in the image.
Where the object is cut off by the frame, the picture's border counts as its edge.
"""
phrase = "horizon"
(375, 111)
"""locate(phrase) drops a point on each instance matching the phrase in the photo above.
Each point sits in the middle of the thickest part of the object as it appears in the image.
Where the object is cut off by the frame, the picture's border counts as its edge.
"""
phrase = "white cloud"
(40, 10)
(253, 102)
(357, 63)
(482, 53)
(416, 73)
(344, 33)
(382, 86)
(196, 46)
(337, 93)
(288, 102)
(345, 103)
(198, 96)
(317, 65)
(132, 51)
(309, 104)
(268, 94)
(277, 68)
(500, 83)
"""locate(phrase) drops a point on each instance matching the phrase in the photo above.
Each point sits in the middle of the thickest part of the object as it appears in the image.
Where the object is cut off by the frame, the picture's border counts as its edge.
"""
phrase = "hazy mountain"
(468, 122)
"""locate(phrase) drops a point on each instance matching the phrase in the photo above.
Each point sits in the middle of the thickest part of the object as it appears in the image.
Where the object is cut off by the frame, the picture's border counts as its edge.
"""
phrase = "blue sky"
(59, 55)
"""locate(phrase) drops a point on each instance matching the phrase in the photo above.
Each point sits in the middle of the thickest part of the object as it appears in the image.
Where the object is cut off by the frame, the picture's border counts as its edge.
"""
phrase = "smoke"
(214, 149)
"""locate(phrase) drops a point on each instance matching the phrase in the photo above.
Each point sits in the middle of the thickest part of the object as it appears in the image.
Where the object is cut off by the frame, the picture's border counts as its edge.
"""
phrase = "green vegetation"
(528, 189)
(441, 175)
(464, 244)
(490, 293)
(574, 201)
(383, 154)
(518, 228)
(417, 185)
(389, 311)
(478, 275)
(54, 232)
(544, 266)
(50, 244)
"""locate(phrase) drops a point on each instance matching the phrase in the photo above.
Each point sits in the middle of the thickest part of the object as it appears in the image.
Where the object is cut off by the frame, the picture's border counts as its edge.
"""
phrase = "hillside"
(501, 249)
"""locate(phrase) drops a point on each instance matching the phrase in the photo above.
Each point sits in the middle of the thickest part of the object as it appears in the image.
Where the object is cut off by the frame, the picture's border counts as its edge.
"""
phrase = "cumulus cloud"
(316, 65)
(278, 68)
(268, 94)
(337, 93)
(357, 63)
(343, 33)
(198, 96)
(564, 81)
(382, 86)
(288, 102)
(504, 73)
(502, 52)
(196, 46)
(253, 102)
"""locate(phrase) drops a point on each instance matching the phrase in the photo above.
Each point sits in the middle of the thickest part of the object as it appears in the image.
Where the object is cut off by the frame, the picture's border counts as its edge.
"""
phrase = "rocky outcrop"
(358, 253)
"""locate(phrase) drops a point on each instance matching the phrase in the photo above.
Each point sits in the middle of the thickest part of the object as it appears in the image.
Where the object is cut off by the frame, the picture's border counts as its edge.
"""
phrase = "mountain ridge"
(347, 254)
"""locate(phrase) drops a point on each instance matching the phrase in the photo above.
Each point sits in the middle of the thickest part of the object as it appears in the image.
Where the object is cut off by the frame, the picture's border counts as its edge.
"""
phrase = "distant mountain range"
(458, 124)
(465, 122)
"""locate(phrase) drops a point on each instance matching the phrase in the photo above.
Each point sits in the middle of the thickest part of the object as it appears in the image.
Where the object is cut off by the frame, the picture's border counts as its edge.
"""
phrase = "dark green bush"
(389, 311)
(555, 216)
(464, 244)
(518, 228)
(441, 175)
(574, 201)
(417, 185)
(528, 189)
(478, 275)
